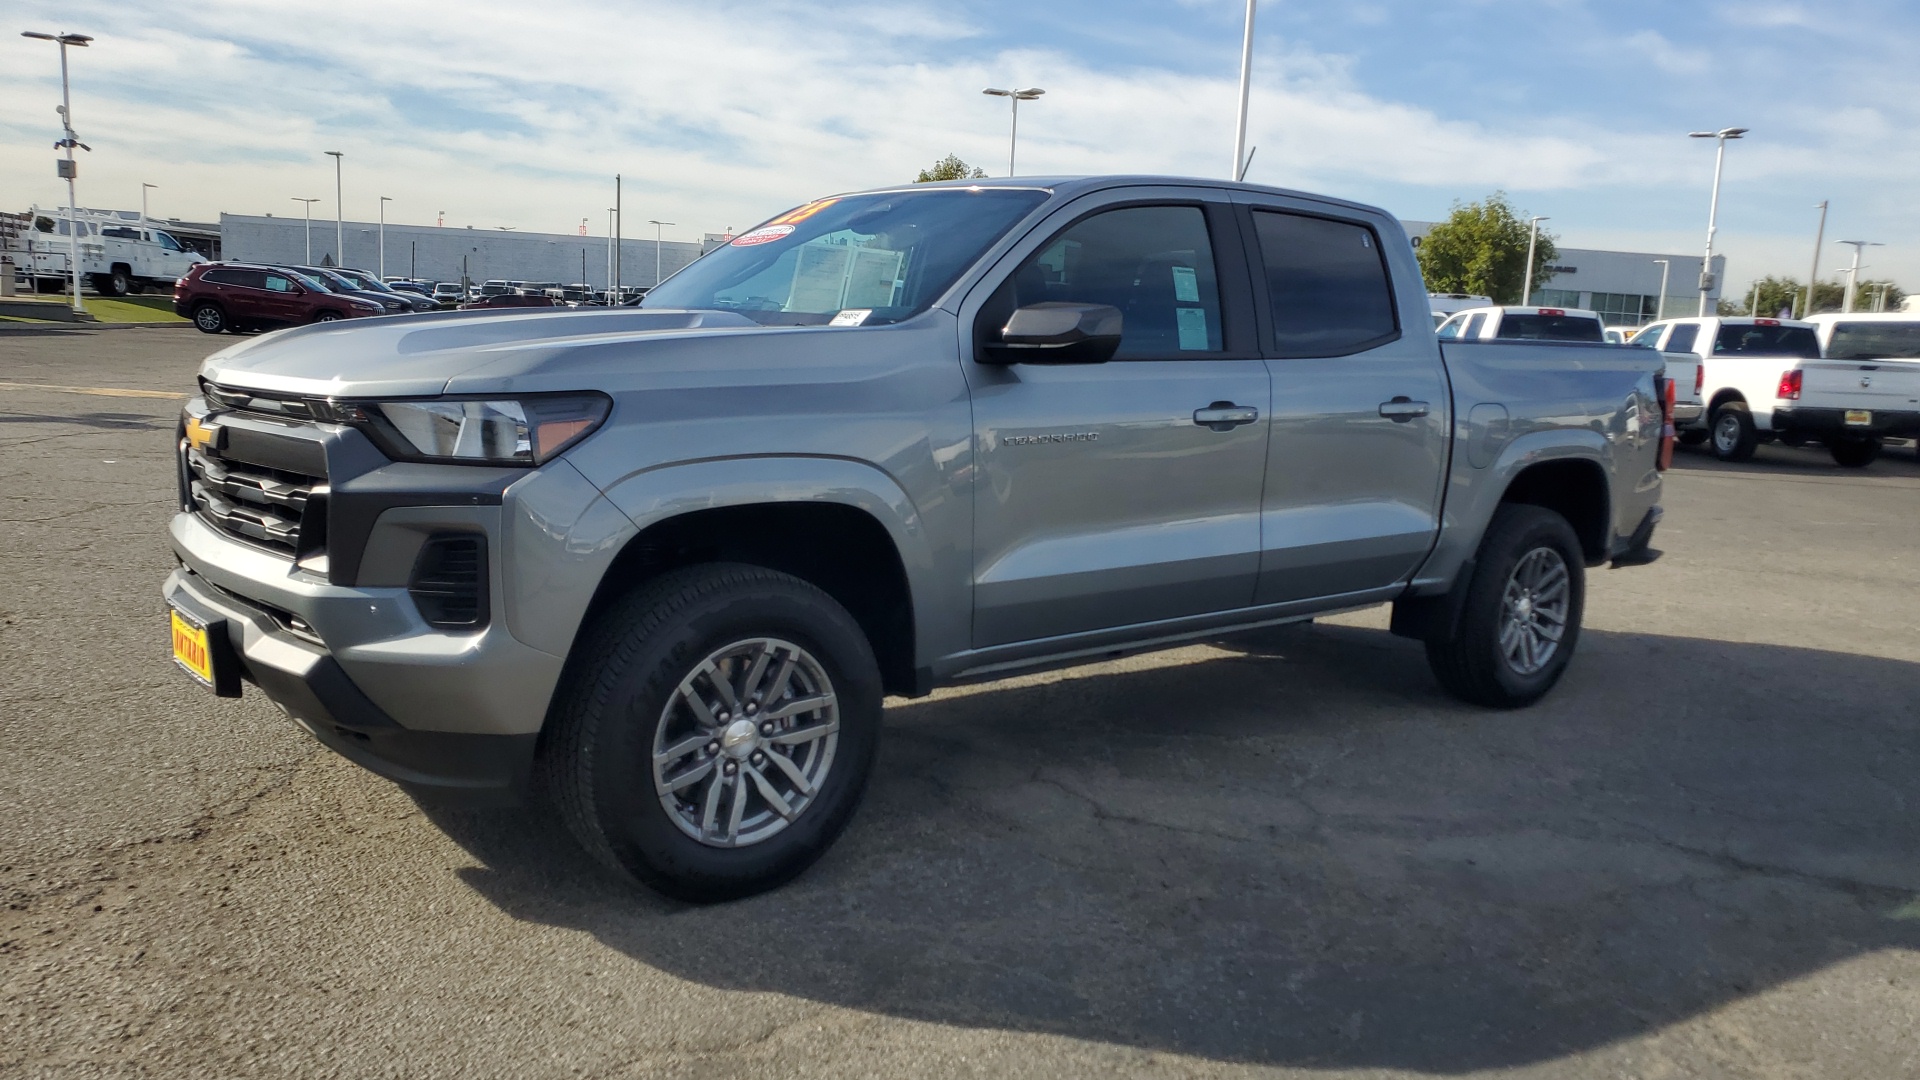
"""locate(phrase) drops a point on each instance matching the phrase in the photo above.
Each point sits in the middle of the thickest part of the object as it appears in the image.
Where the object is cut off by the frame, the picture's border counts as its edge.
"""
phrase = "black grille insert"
(254, 502)
(449, 583)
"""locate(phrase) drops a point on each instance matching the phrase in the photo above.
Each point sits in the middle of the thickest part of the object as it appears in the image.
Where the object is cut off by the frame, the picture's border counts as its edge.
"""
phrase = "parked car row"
(1848, 382)
(232, 296)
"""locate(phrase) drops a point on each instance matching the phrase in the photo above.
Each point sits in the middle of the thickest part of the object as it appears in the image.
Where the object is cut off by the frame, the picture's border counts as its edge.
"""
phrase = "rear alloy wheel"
(327, 316)
(1521, 616)
(1734, 436)
(209, 319)
(716, 731)
(1854, 453)
(118, 284)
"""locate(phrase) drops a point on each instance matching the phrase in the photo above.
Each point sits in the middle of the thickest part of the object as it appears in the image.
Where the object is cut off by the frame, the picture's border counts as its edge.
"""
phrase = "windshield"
(312, 282)
(1874, 341)
(1755, 339)
(363, 281)
(1551, 328)
(865, 259)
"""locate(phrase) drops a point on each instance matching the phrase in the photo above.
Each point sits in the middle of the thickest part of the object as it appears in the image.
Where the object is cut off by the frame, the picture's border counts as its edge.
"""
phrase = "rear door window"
(1683, 337)
(1550, 328)
(1754, 339)
(1326, 285)
(1474, 325)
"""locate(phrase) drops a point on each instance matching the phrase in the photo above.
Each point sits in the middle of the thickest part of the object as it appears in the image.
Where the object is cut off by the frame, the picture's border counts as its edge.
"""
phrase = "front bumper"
(309, 684)
(1821, 423)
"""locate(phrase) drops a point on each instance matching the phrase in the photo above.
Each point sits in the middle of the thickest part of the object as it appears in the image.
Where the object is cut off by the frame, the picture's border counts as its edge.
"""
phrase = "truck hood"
(422, 355)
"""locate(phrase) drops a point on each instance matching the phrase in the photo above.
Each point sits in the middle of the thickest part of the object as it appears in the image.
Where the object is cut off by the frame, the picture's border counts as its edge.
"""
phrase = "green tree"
(1482, 248)
(1789, 294)
(949, 168)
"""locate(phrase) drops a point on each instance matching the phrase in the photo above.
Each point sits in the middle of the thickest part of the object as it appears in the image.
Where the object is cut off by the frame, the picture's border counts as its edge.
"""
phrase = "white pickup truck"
(119, 253)
(1764, 380)
(1508, 323)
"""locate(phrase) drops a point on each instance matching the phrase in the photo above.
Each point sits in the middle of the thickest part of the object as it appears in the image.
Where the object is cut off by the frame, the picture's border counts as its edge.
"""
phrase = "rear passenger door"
(1127, 492)
(1359, 444)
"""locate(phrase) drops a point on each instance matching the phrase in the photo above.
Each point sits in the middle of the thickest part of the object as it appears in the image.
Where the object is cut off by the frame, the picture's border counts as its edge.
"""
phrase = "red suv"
(239, 296)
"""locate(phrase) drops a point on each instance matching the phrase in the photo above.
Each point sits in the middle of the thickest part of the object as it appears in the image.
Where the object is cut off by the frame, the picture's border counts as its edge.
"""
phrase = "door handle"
(1402, 409)
(1225, 416)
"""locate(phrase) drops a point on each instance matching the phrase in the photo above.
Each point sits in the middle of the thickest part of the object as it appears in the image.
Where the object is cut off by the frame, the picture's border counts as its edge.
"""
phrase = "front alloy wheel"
(746, 742)
(715, 731)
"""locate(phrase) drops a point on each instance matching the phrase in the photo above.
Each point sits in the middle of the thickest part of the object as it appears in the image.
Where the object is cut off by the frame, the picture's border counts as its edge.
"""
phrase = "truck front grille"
(280, 510)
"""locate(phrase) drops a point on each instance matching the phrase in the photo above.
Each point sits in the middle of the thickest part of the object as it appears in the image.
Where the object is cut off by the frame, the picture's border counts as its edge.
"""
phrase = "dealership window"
(1561, 298)
(1625, 309)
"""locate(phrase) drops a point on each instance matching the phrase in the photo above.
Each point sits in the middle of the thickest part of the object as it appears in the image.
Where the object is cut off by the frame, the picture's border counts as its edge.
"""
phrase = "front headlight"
(528, 430)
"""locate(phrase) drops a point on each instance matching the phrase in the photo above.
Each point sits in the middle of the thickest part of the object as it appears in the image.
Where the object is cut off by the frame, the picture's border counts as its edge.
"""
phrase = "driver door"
(1124, 492)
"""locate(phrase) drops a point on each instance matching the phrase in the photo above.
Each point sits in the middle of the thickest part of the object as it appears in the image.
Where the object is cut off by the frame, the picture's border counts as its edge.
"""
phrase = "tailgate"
(1860, 384)
(1684, 370)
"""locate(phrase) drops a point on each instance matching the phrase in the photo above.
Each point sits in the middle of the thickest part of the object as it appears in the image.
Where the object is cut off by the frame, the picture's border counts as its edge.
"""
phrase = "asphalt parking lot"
(1285, 854)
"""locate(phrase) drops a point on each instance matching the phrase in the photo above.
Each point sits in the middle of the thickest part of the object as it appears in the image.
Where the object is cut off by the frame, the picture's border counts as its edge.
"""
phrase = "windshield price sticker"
(851, 317)
(762, 236)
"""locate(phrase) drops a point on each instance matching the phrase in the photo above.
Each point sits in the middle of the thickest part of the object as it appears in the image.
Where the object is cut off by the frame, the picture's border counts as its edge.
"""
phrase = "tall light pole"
(1660, 311)
(610, 294)
(1713, 208)
(67, 169)
(1015, 97)
(1240, 156)
(309, 202)
(144, 188)
(656, 246)
(619, 226)
(339, 233)
(384, 200)
(1853, 272)
(1813, 273)
(1533, 234)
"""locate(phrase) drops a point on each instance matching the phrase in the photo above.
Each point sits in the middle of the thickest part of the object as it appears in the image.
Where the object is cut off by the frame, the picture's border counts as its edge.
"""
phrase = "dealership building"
(443, 253)
(1623, 286)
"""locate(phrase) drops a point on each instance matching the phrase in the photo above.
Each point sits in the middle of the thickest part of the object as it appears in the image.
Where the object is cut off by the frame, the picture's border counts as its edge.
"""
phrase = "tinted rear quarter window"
(1327, 285)
(1874, 340)
(1757, 340)
(1550, 328)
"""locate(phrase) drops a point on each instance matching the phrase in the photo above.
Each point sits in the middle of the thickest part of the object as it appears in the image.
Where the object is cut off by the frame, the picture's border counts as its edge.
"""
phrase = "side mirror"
(1057, 332)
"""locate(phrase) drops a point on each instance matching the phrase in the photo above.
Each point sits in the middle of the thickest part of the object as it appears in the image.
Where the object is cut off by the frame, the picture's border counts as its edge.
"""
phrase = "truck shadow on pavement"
(1294, 850)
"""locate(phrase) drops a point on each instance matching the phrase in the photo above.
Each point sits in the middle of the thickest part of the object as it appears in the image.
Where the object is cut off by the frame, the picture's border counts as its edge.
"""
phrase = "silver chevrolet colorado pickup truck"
(662, 564)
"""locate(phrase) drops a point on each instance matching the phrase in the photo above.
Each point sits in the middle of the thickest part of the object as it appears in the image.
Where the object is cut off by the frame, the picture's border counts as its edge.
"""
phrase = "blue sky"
(720, 113)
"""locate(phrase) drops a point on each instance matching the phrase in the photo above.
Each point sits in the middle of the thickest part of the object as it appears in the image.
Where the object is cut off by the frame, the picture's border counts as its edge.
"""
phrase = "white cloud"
(721, 112)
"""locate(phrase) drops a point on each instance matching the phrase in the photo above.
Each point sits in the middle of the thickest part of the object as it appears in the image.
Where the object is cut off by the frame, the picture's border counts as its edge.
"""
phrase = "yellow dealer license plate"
(191, 648)
(1859, 417)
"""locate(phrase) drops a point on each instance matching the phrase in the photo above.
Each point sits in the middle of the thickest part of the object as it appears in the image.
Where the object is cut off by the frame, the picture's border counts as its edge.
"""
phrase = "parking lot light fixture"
(1853, 271)
(1660, 309)
(1713, 207)
(339, 232)
(1241, 156)
(1533, 235)
(384, 200)
(656, 246)
(309, 259)
(1813, 274)
(68, 169)
(1015, 97)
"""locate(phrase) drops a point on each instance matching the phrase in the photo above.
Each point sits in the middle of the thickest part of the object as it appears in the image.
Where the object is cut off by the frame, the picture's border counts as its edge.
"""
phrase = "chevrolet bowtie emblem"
(200, 436)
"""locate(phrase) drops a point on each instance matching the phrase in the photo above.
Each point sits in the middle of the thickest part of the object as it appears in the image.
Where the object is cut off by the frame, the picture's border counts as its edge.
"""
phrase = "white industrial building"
(1623, 286)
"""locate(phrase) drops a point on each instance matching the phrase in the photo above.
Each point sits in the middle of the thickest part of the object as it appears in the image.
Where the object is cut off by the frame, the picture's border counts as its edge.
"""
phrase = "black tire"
(1854, 453)
(622, 691)
(327, 316)
(1692, 436)
(118, 284)
(1733, 435)
(1472, 664)
(209, 319)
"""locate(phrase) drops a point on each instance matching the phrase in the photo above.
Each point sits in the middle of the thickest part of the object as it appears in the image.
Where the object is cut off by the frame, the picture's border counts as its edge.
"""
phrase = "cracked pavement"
(1285, 854)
